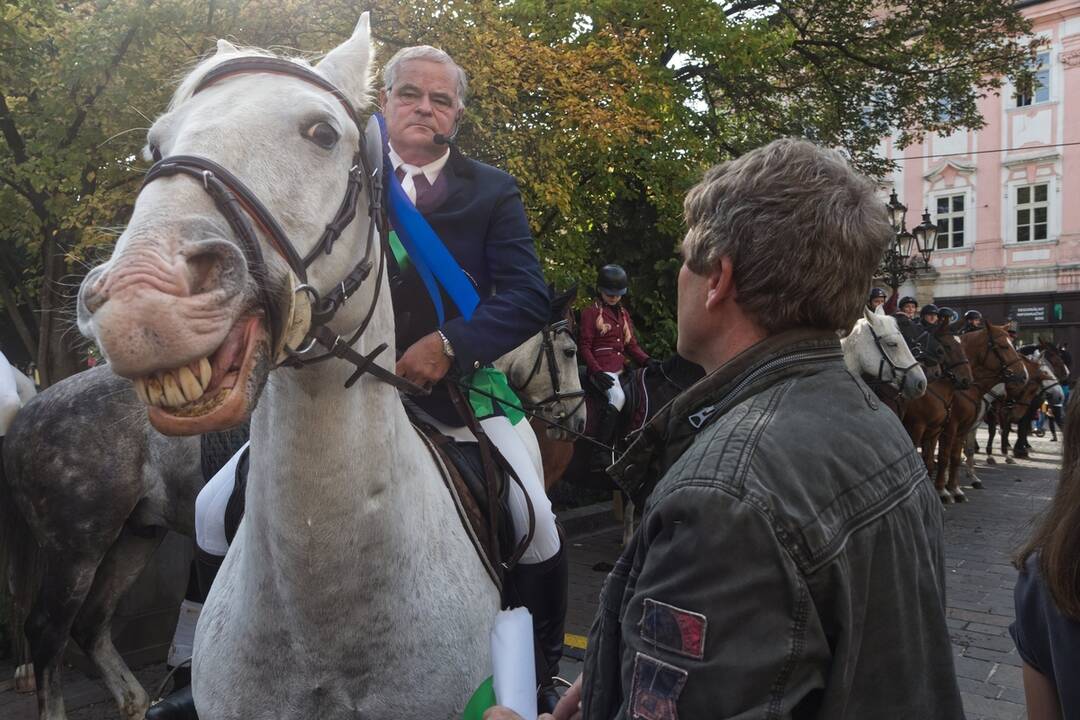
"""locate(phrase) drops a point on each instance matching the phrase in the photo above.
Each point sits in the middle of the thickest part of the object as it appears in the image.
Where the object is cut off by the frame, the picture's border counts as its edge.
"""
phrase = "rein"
(899, 372)
(310, 312)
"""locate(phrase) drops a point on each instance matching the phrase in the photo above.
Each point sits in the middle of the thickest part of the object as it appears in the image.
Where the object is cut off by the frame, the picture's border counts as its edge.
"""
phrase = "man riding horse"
(476, 212)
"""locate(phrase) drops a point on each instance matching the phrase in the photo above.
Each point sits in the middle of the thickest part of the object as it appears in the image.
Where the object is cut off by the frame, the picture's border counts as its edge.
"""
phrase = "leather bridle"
(899, 372)
(245, 213)
(1004, 374)
(547, 350)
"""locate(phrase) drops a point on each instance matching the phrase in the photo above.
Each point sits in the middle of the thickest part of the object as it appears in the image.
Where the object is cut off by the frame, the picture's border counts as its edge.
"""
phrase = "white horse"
(350, 590)
(876, 349)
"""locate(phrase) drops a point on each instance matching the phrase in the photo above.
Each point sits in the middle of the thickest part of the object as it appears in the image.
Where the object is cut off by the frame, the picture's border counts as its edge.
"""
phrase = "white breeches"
(512, 443)
(9, 395)
(210, 507)
(615, 395)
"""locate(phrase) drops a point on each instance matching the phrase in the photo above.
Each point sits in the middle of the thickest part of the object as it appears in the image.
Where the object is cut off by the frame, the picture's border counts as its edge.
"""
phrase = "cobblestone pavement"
(980, 536)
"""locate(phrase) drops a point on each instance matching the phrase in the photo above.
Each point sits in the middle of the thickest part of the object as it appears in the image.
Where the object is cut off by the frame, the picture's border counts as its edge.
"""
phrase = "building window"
(1031, 212)
(950, 222)
(1038, 89)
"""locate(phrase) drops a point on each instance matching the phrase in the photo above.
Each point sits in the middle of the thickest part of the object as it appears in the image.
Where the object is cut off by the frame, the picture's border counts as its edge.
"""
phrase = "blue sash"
(427, 252)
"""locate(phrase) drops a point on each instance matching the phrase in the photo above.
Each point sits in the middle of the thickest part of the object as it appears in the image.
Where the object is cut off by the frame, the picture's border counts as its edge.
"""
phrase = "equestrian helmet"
(972, 315)
(908, 300)
(947, 314)
(929, 309)
(611, 280)
(877, 293)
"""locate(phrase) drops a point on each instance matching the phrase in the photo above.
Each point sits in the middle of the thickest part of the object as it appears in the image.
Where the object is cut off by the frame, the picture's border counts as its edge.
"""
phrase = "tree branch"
(11, 133)
(83, 111)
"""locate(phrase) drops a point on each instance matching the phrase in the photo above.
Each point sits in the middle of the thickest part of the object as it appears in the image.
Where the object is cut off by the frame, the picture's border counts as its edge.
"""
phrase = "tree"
(606, 113)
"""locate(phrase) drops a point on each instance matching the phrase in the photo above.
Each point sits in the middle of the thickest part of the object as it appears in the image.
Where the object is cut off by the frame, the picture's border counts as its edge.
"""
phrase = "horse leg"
(92, 629)
(66, 582)
(1005, 446)
(991, 428)
(930, 443)
(953, 452)
(970, 448)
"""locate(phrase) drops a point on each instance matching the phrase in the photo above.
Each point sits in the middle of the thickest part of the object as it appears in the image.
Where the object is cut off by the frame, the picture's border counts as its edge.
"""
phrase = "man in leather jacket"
(776, 572)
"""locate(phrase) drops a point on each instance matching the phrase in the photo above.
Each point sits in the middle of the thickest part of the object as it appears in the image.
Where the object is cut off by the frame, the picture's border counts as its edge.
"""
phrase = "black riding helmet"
(947, 314)
(877, 293)
(973, 315)
(611, 280)
(907, 300)
(929, 309)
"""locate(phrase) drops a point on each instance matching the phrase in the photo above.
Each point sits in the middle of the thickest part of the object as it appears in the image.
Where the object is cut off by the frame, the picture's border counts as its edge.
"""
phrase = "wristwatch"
(447, 348)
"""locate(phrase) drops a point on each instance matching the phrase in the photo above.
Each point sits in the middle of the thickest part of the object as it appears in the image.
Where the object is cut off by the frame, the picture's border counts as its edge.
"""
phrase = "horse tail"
(21, 562)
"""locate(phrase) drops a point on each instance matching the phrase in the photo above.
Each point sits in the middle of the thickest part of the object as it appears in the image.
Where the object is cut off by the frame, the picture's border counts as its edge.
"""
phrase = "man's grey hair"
(424, 52)
(804, 233)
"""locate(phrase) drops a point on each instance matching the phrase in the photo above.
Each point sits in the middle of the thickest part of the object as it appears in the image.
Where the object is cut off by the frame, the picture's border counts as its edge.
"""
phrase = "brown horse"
(1016, 404)
(924, 418)
(993, 360)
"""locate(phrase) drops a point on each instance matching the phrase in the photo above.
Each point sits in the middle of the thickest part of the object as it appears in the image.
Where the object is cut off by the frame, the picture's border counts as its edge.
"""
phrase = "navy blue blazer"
(481, 220)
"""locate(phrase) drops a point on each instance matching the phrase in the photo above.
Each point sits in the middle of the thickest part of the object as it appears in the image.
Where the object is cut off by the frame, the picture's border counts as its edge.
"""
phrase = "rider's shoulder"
(482, 172)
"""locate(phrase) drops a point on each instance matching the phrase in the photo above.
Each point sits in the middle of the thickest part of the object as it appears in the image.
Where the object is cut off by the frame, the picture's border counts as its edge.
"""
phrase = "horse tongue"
(227, 358)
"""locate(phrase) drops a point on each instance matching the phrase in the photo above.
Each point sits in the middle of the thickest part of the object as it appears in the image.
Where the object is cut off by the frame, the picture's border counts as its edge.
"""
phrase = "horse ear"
(571, 292)
(348, 65)
(880, 310)
(869, 315)
(224, 47)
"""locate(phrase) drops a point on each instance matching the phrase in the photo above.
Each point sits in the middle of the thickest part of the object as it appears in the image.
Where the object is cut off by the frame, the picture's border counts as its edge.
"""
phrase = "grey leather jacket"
(789, 559)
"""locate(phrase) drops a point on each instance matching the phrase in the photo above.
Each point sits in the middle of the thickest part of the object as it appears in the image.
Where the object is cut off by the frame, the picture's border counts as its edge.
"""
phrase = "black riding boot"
(542, 589)
(180, 705)
(601, 458)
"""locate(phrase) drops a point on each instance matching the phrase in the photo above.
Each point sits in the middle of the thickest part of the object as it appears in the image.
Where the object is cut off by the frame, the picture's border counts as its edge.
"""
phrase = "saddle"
(480, 488)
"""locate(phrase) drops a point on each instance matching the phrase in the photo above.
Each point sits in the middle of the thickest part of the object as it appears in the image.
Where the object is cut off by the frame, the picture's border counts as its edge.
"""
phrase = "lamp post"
(909, 253)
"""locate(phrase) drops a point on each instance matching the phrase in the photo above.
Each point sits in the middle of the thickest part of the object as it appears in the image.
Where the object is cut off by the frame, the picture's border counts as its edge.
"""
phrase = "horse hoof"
(977, 484)
(991, 461)
(946, 498)
(24, 679)
(959, 496)
(1009, 461)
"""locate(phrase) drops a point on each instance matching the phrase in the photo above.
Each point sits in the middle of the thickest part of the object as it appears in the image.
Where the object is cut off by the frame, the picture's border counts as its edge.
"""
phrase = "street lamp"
(909, 253)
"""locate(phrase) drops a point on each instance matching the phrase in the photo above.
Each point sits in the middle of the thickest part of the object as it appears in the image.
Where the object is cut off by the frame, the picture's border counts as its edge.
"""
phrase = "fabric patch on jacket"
(671, 628)
(655, 689)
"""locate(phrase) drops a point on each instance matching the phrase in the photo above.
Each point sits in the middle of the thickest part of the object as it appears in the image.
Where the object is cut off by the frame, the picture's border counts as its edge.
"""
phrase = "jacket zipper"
(699, 418)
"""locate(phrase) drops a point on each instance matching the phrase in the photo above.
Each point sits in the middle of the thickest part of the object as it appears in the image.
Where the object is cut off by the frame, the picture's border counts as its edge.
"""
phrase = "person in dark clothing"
(606, 339)
(909, 306)
(785, 566)
(973, 320)
(928, 316)
(1047, 597)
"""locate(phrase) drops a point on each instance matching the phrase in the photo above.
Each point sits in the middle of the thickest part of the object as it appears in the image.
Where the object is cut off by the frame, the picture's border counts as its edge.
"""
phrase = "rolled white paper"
(513, 662)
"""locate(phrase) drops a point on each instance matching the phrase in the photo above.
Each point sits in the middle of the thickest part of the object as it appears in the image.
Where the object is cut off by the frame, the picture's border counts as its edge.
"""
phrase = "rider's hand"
(424, 363)
(601, 381)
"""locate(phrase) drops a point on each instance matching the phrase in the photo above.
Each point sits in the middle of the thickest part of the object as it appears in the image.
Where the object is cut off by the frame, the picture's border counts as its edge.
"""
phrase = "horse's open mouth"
(211, 393)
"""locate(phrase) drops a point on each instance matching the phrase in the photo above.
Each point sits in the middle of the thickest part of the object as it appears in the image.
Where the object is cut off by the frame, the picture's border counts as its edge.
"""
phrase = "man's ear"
(720, 284)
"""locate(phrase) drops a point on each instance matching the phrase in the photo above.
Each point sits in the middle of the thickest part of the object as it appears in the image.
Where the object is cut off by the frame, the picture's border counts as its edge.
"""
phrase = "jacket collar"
(670, 432)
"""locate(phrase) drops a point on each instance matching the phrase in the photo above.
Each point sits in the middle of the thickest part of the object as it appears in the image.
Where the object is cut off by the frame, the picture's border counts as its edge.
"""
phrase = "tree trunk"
(58, 355)
(17, 320)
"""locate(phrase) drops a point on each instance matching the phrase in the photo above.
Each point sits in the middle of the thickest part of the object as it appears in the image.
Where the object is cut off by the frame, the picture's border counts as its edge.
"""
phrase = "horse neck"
(328, 464)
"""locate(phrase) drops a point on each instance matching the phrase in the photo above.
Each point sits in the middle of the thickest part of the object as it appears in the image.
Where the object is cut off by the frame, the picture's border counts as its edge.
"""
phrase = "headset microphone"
(441, 139)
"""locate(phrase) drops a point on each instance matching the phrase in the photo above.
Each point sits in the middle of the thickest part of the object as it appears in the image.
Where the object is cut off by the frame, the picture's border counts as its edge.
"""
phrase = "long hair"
(1057, 533)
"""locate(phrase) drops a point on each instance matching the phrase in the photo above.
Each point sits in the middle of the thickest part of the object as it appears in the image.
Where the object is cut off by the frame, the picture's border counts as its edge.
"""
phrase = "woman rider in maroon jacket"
(607, 336)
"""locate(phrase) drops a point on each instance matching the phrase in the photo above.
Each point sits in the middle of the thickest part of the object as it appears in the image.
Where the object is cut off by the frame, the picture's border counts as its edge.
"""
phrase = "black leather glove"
(601, 381)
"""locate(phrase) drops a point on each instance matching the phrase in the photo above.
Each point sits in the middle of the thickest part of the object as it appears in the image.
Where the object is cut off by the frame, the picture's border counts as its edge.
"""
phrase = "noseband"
(245, 212)
(547, 350)
(899, 372)
(1004, 374)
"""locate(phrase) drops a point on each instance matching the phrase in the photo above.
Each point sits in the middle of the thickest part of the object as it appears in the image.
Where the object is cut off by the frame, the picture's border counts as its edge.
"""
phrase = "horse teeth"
(205, 372)
(154, 394)
(174, 396)
(189, 384)
(141, 391)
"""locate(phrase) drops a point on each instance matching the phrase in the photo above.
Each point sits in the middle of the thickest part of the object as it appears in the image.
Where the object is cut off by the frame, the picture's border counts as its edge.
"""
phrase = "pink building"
(1007, 198)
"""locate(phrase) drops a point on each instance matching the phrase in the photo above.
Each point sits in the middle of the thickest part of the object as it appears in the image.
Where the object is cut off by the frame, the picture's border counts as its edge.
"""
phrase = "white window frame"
(1031, 206)
(1043, 67)
(969, 217)
(962, 213)
(1053, 211)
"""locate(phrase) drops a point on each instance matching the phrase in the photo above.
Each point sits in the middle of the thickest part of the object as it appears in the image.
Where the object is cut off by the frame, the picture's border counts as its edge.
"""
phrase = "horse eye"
(569, 352)
(322, 134)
